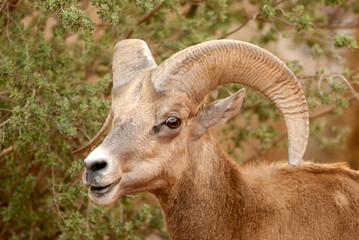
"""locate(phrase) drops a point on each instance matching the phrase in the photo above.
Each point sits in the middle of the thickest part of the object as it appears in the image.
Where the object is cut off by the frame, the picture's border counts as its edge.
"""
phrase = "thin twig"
(241, 26)
(150, 14)
(87, 217)
(84, 5)
(353, 72)
(253, 17)
(121, 212)
(31, 232)
(3, 5)
(5, 109)
(54, 194)
(25, 107)
(84, 133)
(31, 225)
(23, 36)
(5, 122)
(329, 109)
(7, 24)
(319, 84)
(279, 2)
(339, 26)
(6, 151)
(144, 19)
(347, 83)
(3, 230)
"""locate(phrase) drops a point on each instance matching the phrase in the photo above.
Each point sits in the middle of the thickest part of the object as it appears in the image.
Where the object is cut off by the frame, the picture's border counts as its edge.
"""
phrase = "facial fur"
(137, 148)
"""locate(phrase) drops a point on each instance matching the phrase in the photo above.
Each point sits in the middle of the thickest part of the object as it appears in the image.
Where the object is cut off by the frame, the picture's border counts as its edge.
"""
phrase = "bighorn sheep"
(160, 143)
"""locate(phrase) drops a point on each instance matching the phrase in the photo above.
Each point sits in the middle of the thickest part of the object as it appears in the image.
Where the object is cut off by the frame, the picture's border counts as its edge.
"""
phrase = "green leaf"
(295, 66)
(345, 40)
(333, 2)
(316, 51)
(341, 101)
(268, 11)
(324, 98)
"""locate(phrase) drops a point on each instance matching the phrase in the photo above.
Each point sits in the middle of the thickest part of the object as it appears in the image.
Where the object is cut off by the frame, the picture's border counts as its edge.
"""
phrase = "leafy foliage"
(50, 52)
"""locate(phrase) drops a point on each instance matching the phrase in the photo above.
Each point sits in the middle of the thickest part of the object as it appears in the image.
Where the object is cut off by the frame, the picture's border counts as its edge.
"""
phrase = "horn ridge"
(198, 69)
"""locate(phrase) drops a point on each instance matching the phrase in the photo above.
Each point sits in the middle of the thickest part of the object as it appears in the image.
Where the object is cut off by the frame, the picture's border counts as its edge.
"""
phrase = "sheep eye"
(173, 122)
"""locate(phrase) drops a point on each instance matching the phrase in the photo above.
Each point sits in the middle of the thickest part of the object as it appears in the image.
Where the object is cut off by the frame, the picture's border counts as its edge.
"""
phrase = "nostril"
(97, 166)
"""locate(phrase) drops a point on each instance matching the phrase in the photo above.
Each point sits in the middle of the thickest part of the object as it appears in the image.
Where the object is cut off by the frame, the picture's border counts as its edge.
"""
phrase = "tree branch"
(241, 26)
(5, 122)
(349, 25)
(25, 106)
(6, 151)
(248, 20)
(145, 18)
(54, 194)
(4, 4)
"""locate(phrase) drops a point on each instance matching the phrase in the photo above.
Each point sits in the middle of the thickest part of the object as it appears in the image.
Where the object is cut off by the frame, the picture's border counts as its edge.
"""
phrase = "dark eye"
(173, 122)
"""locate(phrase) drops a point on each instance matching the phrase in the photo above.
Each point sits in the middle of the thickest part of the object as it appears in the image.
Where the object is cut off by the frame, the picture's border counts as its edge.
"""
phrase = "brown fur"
(311, 201)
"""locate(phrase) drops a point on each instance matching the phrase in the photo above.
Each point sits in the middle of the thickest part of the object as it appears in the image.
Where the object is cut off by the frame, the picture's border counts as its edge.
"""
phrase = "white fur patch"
(340, 199)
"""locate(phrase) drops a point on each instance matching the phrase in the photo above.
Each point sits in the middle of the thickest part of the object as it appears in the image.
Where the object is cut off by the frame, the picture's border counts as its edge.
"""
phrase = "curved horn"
(198, 69)
(131, 57)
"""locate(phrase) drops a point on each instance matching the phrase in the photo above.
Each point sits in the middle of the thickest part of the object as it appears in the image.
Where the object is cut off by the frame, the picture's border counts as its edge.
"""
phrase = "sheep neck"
(205, 202)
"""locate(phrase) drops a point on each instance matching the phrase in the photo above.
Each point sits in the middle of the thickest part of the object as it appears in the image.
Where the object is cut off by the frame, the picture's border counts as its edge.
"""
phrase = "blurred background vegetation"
(55, 85)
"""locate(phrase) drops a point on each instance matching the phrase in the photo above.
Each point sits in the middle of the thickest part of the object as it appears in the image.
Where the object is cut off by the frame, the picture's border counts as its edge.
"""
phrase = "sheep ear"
(219, 111)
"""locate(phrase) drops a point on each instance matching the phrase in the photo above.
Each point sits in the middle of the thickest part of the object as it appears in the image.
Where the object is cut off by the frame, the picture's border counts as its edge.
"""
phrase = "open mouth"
(100, 190)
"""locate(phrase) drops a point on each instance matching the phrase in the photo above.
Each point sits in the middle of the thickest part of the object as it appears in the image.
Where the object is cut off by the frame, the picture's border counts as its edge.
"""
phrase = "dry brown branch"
(121, 212)
(329, 109)
(31, 232)
(54, 194)
(22, 36)
(3, 5)
(6, 151)
(87, 216)
(253, 17)
(241, 26)
(353, 72)
(84, 133)
(340, 26)
(351, 25)
(31, 225)
(7, 98)
(313, 116)
(347, 83)
(145, 18)
(25, 106)
(3, 231)
(5, 122)
(6, 110)
(7, 24)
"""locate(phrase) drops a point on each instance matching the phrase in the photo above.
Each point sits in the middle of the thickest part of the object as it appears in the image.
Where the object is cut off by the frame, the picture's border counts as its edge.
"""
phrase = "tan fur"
(227, 201)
